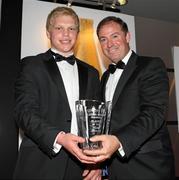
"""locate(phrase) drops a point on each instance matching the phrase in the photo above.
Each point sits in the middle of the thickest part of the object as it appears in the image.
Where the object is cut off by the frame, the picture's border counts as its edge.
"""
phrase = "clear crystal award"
(93, 118)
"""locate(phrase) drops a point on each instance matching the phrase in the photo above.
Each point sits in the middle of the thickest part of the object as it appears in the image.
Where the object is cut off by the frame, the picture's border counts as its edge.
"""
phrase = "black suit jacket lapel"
(55, 74)
(104, 80)
(129, 69)
(57, 78)
(83, 80)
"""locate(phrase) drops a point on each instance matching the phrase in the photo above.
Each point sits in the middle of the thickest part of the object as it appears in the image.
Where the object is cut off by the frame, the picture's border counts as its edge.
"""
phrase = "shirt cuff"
(56, 146)
(121, 151)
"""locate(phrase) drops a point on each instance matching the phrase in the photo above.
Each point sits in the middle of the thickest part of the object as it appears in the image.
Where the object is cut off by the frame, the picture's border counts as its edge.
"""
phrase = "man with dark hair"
(138, 147)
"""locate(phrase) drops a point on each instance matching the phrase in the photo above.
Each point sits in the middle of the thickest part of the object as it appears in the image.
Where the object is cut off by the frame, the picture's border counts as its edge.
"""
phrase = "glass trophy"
(93, 118)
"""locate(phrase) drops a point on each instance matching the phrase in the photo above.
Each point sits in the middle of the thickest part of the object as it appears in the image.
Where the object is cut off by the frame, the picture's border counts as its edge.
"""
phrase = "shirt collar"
(126, 58)
(58, 52)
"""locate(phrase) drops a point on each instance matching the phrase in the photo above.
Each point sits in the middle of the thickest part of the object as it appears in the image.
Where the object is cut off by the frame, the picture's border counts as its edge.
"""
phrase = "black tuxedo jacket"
(42, 111)
(139, 109)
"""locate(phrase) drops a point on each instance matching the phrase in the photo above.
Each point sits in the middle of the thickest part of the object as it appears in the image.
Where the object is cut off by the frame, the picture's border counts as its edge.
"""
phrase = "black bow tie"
(112, 67)
(58, 58)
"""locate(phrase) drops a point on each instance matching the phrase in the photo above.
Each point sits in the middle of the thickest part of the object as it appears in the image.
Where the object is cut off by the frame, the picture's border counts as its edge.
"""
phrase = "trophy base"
(90, 145)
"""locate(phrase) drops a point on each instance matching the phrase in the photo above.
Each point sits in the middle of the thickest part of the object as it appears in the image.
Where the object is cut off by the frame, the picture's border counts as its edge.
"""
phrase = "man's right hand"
(110, 144)
(70, 142)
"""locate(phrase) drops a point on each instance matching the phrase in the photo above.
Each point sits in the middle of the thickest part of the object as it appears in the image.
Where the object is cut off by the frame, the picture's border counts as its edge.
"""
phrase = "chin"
(69, 49)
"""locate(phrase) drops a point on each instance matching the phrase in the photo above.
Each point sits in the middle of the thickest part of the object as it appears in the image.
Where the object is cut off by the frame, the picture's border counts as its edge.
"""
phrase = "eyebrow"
(115, 33)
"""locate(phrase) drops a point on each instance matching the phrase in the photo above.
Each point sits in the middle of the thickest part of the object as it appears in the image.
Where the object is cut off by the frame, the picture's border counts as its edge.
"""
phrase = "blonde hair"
(60, 11)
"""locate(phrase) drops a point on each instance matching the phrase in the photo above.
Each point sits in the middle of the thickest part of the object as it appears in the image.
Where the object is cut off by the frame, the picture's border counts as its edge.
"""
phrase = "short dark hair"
(117, 20)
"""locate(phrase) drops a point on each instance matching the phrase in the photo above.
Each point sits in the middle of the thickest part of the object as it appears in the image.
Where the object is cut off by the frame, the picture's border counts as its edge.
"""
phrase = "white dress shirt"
(70, 79)
(111, 86)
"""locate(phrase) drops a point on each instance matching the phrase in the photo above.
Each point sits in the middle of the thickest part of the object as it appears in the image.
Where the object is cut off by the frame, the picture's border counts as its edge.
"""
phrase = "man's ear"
(48, 34)
(128, 37)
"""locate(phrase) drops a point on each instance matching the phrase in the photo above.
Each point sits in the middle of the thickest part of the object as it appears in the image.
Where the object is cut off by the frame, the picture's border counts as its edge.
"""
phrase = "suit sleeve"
(27, 110)
(153, 101)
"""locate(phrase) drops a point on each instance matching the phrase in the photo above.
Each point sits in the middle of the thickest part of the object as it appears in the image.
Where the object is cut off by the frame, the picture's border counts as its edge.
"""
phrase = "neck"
(67, 54)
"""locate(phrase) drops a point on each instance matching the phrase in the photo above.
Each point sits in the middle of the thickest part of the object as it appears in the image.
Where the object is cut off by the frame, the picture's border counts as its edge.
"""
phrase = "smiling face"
(114, 41)
(63, 32)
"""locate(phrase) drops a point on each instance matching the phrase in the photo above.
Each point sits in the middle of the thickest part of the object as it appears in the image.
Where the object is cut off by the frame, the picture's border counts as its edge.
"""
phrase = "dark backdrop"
(10, 34)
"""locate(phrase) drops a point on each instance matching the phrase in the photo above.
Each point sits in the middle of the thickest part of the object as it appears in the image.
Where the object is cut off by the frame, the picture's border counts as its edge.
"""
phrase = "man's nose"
(109, 43)
(66, 32)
